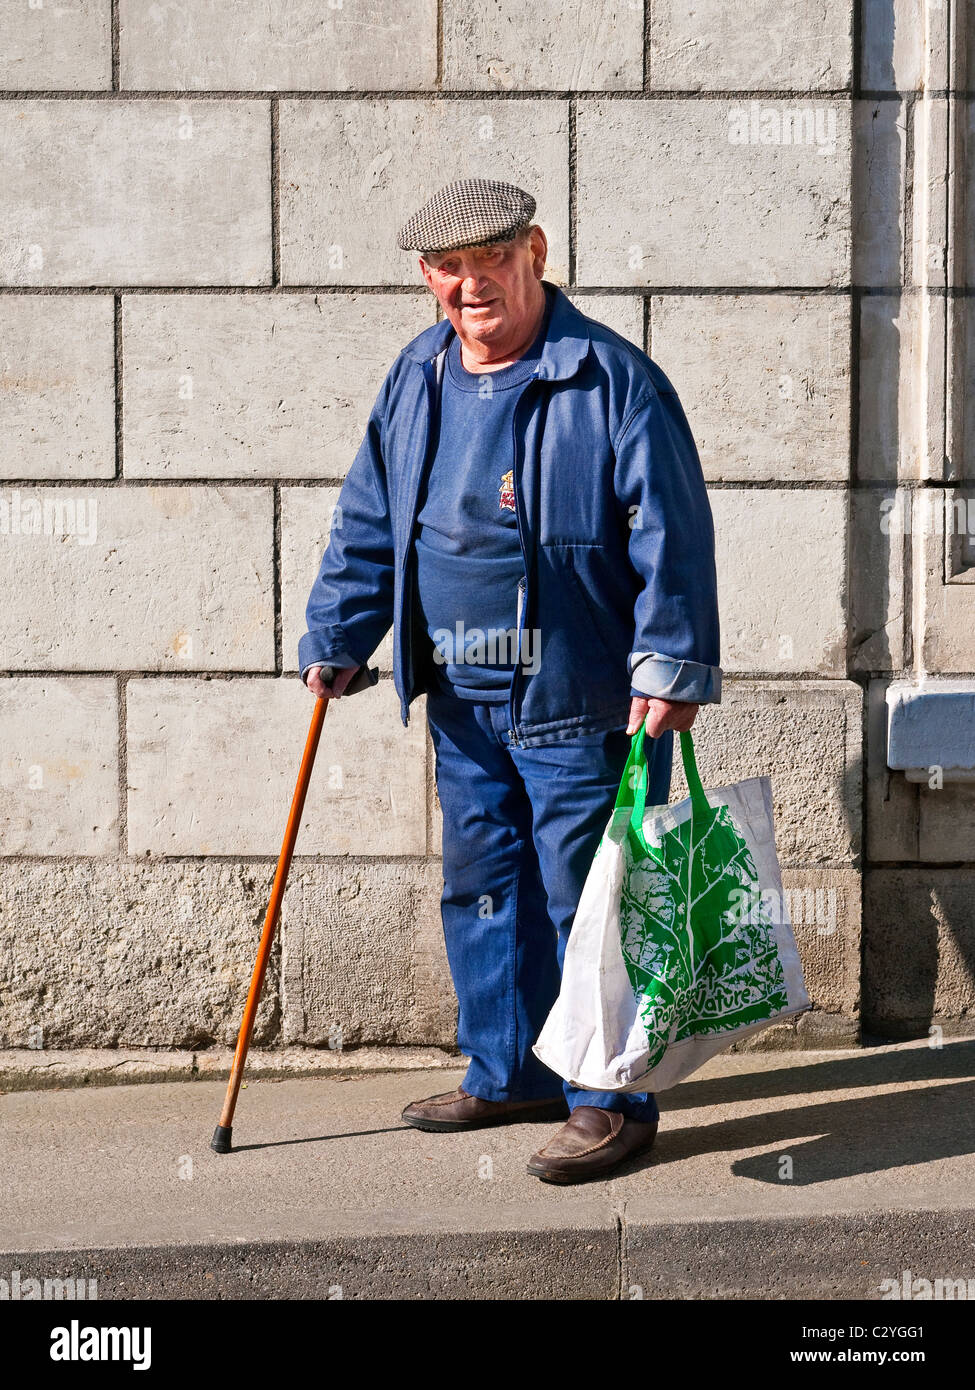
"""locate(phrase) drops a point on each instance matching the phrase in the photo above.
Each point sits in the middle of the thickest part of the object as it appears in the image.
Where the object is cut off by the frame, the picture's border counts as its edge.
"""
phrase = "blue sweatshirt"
(469, 558)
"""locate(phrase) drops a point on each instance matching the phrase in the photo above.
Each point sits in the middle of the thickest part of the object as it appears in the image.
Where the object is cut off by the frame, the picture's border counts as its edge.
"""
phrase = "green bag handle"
(635, 779)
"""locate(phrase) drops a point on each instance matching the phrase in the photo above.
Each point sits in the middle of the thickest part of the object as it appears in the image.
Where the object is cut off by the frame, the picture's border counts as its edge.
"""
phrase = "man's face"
(490, 294)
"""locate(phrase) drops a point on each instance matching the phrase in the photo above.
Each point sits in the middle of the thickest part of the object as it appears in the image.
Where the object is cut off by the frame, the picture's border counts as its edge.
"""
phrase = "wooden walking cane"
(220, 1143)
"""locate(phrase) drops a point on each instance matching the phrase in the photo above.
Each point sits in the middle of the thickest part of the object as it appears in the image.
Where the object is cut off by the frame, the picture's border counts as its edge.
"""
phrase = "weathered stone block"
(946, 822)
(353, 172)
(766, 46)
(142, 578)
(242, 45)
(889, 435)
(56, 47)
(306, 519)
(919, 946)
(244, 386)
(57, 386)
(959, 374)
(622, 312)
(878, 610)
(114, 954)
(941, 133)
(732, 204)
(814, 1031)
(212, 768)
(135, 193)
(892, 45)
(941, 522)
(555, 45)
(781, 557)
(764, 381)
(364, 959)
(824, 908)
(879, 185)
(59, 766)
(807, 738)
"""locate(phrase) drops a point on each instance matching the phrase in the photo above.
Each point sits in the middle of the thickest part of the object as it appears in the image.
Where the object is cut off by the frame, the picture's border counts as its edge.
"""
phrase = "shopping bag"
(681, 943)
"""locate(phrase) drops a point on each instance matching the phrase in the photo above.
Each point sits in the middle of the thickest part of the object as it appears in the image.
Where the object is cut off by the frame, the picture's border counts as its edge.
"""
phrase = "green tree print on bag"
(698, 943)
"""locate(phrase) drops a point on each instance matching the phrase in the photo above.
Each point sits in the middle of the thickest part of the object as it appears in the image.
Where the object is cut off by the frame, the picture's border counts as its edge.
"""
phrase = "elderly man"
(528, 511)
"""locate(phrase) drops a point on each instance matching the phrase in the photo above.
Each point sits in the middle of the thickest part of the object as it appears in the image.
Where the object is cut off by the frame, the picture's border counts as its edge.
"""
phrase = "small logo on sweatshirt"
(506, 492)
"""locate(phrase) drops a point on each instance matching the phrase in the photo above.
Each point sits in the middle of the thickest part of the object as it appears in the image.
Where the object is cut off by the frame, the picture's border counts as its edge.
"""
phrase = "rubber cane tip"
(220, 1143)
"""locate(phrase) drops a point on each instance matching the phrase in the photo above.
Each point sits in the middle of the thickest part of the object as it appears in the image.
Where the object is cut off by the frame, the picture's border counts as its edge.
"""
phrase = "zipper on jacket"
(512, 726)
(431, 382)
(522, 586)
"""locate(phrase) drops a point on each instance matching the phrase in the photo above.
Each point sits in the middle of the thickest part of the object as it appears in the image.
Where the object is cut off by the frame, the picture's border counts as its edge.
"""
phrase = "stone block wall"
(200, 293)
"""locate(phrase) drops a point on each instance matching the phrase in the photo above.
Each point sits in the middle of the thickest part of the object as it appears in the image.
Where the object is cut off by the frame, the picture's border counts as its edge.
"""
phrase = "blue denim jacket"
(614, 521)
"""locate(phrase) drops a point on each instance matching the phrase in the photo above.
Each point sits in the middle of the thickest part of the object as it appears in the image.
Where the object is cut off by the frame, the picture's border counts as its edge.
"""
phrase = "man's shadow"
(838, 1138)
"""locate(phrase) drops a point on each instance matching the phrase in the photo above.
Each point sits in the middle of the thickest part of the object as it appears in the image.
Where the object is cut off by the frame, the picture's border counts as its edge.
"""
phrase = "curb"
(25, 1070)
(873, 1256)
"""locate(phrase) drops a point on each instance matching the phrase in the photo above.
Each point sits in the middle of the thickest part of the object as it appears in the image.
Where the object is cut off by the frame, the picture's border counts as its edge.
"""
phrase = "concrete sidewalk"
(774, 1175)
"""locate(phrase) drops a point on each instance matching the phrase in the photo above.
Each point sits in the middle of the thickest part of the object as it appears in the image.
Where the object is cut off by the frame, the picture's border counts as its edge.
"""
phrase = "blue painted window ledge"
(932, 725)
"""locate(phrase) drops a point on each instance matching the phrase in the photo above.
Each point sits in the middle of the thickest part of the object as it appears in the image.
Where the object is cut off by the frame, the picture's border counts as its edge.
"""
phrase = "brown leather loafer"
(591, 1144)
(456, 1110)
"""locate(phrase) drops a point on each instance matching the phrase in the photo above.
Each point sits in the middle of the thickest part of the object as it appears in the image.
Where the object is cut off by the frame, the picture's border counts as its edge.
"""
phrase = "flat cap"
(468, 212)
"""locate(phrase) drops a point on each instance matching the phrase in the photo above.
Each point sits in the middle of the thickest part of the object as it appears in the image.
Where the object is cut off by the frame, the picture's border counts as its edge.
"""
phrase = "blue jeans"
(520, 828)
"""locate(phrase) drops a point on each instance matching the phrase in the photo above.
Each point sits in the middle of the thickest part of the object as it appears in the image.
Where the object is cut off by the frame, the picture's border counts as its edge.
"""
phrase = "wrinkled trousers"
(520, 828)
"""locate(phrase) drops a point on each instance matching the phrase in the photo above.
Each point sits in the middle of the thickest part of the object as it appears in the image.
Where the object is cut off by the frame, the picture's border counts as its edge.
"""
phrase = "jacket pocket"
(600, 621)
(583, 670)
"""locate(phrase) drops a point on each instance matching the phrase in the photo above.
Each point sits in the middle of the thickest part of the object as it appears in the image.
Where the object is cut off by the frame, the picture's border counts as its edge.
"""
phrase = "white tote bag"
(681, 943)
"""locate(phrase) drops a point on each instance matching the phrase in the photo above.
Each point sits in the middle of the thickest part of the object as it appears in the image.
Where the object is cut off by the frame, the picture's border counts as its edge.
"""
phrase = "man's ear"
(539, 250)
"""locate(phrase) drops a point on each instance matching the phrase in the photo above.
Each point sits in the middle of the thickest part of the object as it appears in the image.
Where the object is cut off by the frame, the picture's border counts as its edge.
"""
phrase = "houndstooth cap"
(468, 212)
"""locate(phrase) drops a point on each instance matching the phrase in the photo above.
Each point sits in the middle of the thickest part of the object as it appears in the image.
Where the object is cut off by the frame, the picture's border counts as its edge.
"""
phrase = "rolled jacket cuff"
(337, 661)
(324, 647)
(656, 677)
